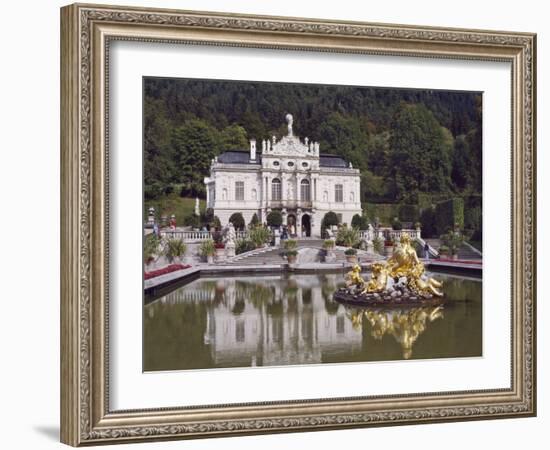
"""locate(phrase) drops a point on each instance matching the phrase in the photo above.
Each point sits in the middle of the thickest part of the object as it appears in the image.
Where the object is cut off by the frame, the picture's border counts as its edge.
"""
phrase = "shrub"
(408, 213)
(396, 224)
(208, 216)
(274, 219)
(192, 221)
(328, 244)
(150, 247)
(259, 235)
(357, 221)
(349, 237)
(207, 248)
(237, 220)
(378, 245)
(291, 253)
(330, 219)
(216, 222)
(443, 250)
(350, 252)
(427, 219)
(217, 236)
(244, 245)
(174, 248)
(254, 221)
(449, 214)
(290, 244)
(452, 240)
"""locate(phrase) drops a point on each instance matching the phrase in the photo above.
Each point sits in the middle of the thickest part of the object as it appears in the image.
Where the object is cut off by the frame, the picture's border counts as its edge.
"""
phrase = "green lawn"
(173, 204)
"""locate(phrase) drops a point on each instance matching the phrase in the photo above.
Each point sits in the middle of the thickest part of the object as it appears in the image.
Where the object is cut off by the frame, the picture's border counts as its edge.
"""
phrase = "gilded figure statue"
(400, 279)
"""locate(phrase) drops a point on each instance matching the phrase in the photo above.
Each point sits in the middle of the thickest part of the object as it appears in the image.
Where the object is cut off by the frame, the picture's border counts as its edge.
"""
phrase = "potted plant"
(328, 249)
(174, 250)
(150, 248)
(220, 250)
(259, 235)
(453, 240)
(378, 245)
(291, 256)
(351, 255)
(444, 251)
(290, 250)
(207, 250)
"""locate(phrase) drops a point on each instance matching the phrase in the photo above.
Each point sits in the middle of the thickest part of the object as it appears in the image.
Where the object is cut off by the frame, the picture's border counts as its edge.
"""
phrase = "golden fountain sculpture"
(401, 279)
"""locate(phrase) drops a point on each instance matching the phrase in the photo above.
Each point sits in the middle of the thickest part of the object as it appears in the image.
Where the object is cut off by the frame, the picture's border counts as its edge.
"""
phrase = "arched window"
(325, 196)
(276, 189)
(305, 191)
(254, 194)
(352, 197)
(224, 194)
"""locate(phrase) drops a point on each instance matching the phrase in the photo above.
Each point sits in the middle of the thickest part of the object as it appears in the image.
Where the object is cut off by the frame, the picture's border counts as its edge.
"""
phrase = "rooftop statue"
(401, 279)
(289, 120)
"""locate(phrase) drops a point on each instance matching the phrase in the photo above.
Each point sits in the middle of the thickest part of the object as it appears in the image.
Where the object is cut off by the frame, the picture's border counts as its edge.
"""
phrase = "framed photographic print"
(276, 224)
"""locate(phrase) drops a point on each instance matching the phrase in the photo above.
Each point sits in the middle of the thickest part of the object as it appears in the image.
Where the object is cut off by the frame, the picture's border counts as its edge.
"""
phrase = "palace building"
(288, 175)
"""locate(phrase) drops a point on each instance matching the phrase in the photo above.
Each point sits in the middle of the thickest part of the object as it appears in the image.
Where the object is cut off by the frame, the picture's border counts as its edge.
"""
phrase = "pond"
(287, 319)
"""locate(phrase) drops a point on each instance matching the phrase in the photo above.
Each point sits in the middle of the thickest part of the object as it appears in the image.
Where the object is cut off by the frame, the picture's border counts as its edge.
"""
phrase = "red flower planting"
(168, 269)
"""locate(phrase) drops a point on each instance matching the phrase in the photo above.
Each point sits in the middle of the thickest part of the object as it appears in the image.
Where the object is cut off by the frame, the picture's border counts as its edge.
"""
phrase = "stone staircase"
(308, 251)
(465, 252)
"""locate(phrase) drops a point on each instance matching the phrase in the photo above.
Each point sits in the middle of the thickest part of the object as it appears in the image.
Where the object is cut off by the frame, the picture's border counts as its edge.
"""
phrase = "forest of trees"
(407, 143)
(404, 141)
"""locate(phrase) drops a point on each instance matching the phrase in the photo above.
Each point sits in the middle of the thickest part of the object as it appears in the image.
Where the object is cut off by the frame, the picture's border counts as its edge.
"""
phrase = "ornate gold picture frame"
(87, 31)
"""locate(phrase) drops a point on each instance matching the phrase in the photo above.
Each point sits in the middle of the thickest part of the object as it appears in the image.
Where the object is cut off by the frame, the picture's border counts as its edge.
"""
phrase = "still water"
(291, 319)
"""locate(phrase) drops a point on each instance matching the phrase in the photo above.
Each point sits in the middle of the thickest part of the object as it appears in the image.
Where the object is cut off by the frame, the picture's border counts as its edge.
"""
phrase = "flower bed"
(168, 269)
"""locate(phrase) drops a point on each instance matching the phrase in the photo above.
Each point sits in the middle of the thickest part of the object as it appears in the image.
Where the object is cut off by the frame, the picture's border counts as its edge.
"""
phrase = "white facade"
(287, 175)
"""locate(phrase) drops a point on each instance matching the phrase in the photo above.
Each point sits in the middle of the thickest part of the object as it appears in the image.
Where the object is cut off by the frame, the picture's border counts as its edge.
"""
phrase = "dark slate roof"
(243, 157)
(332, 161)
(238, 157)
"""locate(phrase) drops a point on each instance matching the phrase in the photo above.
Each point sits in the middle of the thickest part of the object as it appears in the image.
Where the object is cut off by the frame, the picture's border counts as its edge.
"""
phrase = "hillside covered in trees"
(412, 146)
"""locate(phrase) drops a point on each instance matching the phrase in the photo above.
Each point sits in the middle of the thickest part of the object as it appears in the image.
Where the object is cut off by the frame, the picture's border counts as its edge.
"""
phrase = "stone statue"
(289, 120)
(197, 207)
(229, 240)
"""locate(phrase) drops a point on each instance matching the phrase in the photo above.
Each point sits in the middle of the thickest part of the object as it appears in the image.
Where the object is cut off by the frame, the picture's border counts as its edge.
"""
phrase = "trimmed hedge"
(449, 214)
(237, 220)
(274, 218)
(409, 213)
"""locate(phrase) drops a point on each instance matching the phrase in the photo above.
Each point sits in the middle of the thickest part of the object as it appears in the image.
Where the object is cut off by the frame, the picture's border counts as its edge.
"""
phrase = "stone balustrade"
(195, 236)
(366, 235)
(387, 234)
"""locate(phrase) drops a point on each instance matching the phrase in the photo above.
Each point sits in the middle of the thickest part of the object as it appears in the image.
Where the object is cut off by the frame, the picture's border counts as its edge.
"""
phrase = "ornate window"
(254, 194)
(305, 191)
(338, 193)
(239, 190)
(276, 189)
(352, 196)
(224, 194)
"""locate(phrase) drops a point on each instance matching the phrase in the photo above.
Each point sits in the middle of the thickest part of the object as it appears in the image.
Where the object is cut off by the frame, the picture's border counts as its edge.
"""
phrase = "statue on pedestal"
(229, 240)
(399, 280)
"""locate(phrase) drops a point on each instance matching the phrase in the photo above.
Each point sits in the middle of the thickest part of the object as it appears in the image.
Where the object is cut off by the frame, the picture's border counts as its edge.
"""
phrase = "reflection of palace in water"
(272, 322)
(291, 326)
(275, 320)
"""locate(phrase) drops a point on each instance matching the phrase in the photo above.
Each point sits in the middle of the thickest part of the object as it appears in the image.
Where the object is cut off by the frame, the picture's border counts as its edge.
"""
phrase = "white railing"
(387, 234)
(195, 236)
